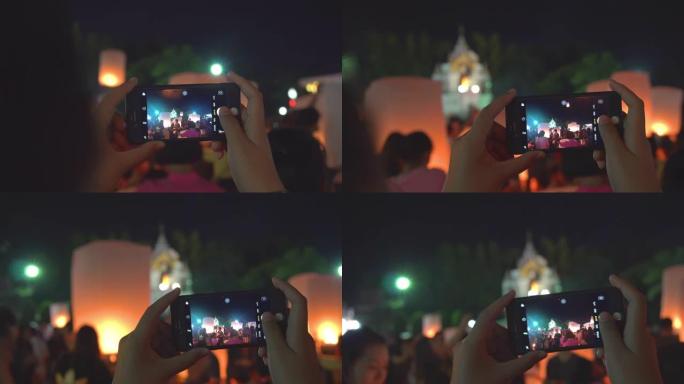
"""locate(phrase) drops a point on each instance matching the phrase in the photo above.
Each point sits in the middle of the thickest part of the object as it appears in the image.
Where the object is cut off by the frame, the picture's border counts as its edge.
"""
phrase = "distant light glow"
(282, 111)
(110, 80)
(175, 285)
(328, 333)
(350, 325)
(216, 69)
(61, 321)
(471, 323)
(660, 128)
(402, 283)
(339, 270)
(545, 292)
(312, 87)
(292, 93)
(462, 88)
(236, 325)
(475, 88)
(31, 271)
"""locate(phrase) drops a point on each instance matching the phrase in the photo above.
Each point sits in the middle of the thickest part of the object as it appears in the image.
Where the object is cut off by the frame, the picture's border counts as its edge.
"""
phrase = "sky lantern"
(667, 111)
(672, 298)
(112, 68)
(110, 288)
(640, 83)
(432, 323)
(59, 315)
(324, 296)
(405, 105)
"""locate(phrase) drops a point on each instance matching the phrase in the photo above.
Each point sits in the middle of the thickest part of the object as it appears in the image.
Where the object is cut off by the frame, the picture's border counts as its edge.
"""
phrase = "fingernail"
(223, 111)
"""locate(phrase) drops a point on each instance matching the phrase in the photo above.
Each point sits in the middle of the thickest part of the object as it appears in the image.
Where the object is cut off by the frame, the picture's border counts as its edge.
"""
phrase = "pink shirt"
(179, 182)
(418, 180)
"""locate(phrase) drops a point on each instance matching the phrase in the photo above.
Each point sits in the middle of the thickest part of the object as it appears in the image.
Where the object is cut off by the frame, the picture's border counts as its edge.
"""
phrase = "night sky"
(642, 35)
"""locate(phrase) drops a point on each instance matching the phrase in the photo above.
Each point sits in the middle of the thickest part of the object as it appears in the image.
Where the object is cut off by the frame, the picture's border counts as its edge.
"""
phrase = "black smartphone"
(561, 321)
(559, 122)
(178, 112)
(224, 319)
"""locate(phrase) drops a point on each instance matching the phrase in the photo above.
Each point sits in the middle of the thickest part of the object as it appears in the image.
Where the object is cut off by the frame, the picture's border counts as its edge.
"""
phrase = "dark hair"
(665, 324)
(391, 154)
(354, 345)
(299, 159)
(673, 174)
(453, 119)
(7, 321)
(180, 152)
(43, 85)
(87, 345)
(302, 118)
(417, 146)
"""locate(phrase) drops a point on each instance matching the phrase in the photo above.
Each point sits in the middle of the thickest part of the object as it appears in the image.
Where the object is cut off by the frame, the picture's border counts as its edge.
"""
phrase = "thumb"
(144, 152)
(518, 366)
(612, 341)
(611, 138)
(514, 166)
(235, 134)
(184, 361)
(275, 341)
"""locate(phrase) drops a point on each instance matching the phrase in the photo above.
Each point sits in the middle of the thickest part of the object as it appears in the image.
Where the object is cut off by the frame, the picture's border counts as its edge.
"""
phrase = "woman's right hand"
(630, 358)
(291, 358)
(249, 153)
(629, 162)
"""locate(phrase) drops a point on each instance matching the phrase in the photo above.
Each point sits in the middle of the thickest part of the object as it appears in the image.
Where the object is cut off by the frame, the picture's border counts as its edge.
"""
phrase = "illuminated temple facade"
(466, 82)
(167, 271)
(532, 275)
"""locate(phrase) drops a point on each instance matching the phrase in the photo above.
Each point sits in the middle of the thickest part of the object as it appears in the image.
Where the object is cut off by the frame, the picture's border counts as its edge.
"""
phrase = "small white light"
(563, 301)
(522, 305)
(282, 111)
(462, 88)
(471, 323)
(226, 300)
(475, 89)
(185, 93)
(292, 93)
(144, 94)
(522, 104)
(187, 303)
(545, 292)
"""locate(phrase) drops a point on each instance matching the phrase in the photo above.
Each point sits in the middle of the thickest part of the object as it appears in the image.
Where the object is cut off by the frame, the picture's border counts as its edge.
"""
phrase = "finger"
(297, 328)
(144, 152)
(484, 121)
(489, 315)
(612, 341)
(109, 101)
(275, 341)
(513, 167)
(235, 135)
(183, 361)
(600, 158)
(518, 366)
(614, 146)
(150, 318)
(635, 123)
(636, 307)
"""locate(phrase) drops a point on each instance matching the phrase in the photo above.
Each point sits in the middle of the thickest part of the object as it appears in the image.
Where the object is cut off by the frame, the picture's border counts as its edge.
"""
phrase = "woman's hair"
(354, 345)
(52, 146)
(87, 345)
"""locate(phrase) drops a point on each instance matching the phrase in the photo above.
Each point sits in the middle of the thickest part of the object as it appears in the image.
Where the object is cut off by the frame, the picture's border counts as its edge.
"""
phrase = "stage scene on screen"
(220, 321)
(561, 324)
(557, 124)
(179, 114)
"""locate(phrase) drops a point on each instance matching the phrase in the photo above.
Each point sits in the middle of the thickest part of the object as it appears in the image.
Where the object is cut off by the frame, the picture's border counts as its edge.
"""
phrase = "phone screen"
(179, 112)
(220, 320)
(551, 123)
(560, 321)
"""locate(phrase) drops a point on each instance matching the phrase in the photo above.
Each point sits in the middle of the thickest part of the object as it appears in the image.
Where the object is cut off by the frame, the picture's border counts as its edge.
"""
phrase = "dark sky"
(644, 35)
(266, 38)
(381, 233)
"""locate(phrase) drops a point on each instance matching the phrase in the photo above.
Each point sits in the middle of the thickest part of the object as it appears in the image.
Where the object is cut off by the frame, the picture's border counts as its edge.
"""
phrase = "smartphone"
(178, 112)
(559, 122)
(561, 321)
(224, 319)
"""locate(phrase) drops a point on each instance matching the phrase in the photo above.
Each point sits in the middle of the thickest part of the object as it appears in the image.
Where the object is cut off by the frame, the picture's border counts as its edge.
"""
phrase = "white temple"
(167, 271)
(466, 82)
(533, 276)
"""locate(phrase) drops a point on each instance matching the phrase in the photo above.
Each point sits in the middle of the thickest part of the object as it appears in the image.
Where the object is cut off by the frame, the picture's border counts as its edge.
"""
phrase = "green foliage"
(158, 67)
(575, 76)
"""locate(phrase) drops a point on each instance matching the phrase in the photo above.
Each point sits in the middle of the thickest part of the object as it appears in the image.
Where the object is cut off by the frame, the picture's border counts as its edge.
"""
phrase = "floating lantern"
(405, 105)
(432, 323)
(640, 83)
(112, 68)
(110, 288)
(59, 315)
(672, 298)
(324, 296)
(667, 111)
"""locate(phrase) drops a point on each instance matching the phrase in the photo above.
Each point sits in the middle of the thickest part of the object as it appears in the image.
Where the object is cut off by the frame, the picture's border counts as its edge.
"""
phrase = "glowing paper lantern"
(672, 298)
(405, 105)
(324, 297)
(110, 288)
(640, 83)
(112, 68)
(667, 111)
(59, 315)
(432, 323)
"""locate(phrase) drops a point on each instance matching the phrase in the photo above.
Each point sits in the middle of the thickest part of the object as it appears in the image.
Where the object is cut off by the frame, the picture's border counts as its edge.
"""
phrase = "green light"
(402, 283)
(31, 271)
(216, 69)
(339, 270)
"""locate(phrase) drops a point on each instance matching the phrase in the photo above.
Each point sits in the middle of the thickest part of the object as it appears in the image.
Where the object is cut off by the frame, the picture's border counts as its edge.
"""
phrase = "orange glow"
(110, 80)
(59, 315)
(61, 321)
(677, 323)
(112, 68)
(660, 128)
(672, 297)
(328, 332)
